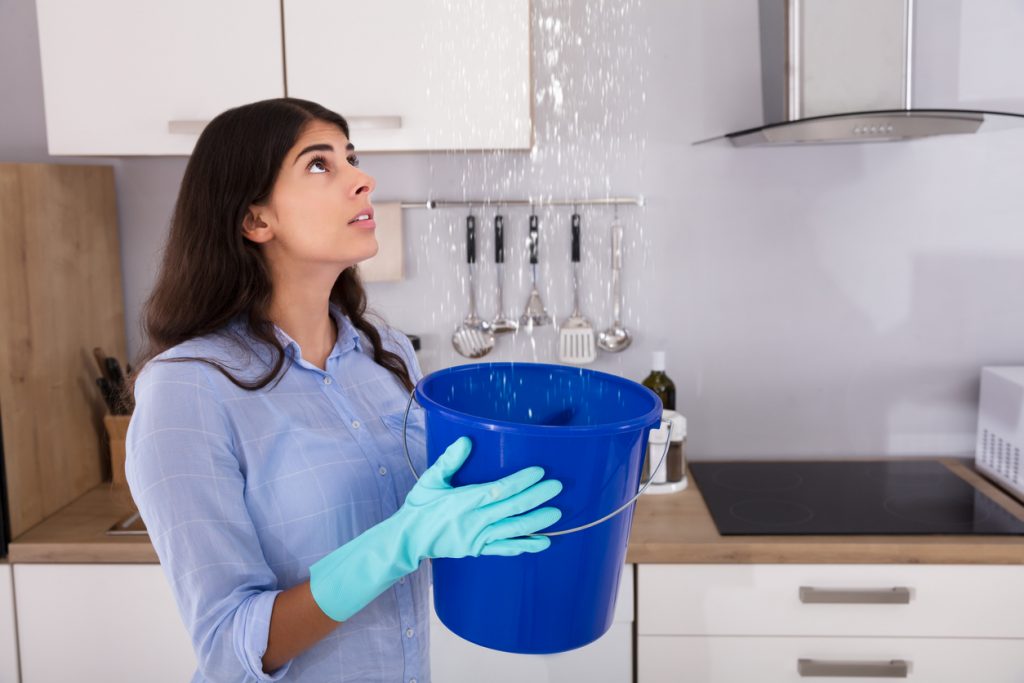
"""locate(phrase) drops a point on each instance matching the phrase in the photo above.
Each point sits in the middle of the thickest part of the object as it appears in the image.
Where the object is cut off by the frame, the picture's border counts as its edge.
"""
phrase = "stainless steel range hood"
(836, 71)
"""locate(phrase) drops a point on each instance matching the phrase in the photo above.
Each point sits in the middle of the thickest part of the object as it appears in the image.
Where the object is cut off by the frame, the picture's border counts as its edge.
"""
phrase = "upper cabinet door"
(420, 75)
(142, 76)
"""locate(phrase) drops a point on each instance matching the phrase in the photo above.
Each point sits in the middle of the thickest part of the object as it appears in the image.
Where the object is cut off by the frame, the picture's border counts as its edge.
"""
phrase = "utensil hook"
(668, 442)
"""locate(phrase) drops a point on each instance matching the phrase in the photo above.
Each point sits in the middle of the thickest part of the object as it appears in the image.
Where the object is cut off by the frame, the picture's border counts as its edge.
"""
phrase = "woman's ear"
(254, 228)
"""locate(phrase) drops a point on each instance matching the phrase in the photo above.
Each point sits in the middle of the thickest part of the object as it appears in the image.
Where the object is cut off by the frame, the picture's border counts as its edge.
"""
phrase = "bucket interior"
(539, 394)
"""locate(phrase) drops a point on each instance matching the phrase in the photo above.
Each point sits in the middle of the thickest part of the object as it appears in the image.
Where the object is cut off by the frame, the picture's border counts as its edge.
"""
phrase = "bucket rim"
(642, 421)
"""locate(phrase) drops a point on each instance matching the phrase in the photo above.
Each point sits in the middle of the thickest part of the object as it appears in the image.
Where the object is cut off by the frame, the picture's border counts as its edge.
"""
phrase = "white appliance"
(1001, 427)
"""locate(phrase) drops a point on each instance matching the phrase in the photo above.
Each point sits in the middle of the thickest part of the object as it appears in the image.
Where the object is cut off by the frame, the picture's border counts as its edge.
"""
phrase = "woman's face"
(318, 213)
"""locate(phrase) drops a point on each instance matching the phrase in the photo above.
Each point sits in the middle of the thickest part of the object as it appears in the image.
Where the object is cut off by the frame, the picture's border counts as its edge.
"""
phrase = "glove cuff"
(349, 578)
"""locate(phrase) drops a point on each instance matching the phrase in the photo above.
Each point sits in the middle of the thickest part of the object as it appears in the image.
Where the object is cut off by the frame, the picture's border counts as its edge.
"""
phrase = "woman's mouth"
(363, 219)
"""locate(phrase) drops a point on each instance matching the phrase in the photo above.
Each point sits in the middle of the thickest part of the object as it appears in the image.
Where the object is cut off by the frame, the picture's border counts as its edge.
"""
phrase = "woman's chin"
(363, 255)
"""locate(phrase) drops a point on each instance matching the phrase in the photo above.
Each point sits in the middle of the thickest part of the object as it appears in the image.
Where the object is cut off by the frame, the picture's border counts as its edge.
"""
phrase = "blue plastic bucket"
(587, 429)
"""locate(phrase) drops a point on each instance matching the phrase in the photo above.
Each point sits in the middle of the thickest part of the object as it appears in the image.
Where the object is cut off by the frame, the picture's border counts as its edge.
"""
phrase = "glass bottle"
(659, 382)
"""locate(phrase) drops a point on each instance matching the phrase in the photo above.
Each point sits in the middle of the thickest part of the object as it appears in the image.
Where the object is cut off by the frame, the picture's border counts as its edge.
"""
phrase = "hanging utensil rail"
(478, 203)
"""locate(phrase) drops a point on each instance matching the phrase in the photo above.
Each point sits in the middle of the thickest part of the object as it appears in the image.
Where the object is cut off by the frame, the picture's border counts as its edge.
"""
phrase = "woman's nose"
(366, 185)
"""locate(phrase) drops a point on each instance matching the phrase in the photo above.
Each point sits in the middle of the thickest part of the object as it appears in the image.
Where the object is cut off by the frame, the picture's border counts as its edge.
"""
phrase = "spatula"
(535, 314)
(576, 337)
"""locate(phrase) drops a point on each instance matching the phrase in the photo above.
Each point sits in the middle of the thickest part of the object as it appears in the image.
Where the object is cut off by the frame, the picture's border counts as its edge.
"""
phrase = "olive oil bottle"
(659, 382)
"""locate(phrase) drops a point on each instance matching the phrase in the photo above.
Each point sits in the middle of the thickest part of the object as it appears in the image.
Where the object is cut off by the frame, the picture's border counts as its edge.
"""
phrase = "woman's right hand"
(439, 520)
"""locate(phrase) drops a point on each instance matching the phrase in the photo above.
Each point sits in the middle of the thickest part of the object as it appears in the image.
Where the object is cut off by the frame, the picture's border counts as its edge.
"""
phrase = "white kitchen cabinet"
(127, 77)
(688, 659)
(609, 659)
(8, 633)
(99, 622)
(431, 74)
(755, 622)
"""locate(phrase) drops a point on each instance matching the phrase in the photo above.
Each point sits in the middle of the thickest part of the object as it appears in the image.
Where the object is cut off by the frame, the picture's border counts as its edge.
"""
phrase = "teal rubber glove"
(436, 520)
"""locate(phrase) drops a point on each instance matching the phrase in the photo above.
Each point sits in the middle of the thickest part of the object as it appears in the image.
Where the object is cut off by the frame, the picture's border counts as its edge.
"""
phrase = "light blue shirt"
(242, 491)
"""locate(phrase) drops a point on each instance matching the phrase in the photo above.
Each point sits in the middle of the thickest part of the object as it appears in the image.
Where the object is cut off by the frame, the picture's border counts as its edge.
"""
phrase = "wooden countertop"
(77, 533)
(677, 528)
(673, 528)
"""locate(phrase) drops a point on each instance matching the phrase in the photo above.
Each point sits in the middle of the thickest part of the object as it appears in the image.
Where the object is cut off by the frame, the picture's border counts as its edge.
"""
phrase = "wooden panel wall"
(60, 295)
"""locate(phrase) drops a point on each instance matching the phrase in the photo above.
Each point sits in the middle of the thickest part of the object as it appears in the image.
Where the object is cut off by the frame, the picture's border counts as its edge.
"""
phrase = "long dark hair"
(210, 273)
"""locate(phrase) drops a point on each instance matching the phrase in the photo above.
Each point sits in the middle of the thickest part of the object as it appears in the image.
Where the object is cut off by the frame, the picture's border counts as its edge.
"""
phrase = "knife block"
(117, 431)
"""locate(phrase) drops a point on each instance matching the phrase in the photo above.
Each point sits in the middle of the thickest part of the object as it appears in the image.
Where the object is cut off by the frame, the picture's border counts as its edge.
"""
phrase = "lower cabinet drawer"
(684, 659)
(99, 622)
(941, 601)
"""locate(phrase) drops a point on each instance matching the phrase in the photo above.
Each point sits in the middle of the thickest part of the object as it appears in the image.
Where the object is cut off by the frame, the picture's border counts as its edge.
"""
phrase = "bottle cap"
(658, 362)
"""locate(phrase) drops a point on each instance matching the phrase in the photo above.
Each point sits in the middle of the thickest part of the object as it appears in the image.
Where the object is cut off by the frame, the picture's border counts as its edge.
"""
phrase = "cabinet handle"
(898, 595)
(896, 668)
(186, 126)
(195, 127)
(374, 122)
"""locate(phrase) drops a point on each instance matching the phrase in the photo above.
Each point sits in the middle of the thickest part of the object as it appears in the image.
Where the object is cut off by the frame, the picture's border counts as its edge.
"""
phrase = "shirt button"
(383, 470)
(412, 680)
(401, 580)
(408, 634)
(355, 424)
(327, 380)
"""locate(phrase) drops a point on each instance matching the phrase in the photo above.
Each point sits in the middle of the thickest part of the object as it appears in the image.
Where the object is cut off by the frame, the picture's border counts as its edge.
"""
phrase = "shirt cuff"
(254, 631)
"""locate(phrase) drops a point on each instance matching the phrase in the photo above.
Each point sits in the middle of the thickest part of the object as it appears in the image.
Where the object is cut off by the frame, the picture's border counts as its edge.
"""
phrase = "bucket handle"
(668, 441)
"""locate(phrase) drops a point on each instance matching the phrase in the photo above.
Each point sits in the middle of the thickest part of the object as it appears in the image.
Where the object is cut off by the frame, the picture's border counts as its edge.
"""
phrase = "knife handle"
(101, 361)
(114, 374)
(107, 393)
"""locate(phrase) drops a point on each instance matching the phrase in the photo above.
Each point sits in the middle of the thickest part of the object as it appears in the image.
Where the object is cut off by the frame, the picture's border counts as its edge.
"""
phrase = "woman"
(264, 453)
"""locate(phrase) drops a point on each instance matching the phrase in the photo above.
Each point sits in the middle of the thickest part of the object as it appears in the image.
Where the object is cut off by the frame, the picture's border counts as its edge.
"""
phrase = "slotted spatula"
(576, 338)
(535, 314)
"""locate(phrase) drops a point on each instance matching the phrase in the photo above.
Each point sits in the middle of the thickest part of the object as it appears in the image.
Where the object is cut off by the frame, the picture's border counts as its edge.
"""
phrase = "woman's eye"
(318, 162)
(352, 159)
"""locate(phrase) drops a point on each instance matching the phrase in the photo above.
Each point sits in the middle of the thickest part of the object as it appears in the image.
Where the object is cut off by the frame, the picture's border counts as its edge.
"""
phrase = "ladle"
(473, 338)
(616, 338)
(501, 323)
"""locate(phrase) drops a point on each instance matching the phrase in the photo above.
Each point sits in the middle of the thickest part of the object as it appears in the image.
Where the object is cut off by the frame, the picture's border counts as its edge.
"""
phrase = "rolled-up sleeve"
(189, 487)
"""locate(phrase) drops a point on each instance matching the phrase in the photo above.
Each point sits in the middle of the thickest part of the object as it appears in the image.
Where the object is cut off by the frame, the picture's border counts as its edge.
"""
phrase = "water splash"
(588, 84)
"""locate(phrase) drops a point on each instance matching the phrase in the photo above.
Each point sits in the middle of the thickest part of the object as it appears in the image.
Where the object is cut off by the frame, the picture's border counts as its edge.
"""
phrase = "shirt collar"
(348, 337)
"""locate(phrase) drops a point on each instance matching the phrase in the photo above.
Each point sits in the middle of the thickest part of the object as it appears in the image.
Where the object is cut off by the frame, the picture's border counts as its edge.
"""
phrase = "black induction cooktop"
(846, 497)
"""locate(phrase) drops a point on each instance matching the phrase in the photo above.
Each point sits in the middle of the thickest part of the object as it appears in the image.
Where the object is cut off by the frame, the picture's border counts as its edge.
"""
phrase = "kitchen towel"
(387, 265)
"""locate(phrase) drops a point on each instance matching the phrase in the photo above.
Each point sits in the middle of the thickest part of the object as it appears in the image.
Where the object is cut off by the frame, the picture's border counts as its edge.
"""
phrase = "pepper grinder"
(671, 476)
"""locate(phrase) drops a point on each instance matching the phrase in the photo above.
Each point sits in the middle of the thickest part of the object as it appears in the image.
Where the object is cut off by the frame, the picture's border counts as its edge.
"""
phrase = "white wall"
(814, 302)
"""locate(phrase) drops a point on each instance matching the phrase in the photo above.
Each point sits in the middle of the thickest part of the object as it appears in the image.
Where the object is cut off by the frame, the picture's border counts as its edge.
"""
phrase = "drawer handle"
(186, 126)
(898, 595)
(195, 127)
(374, 122)
(896, 668)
